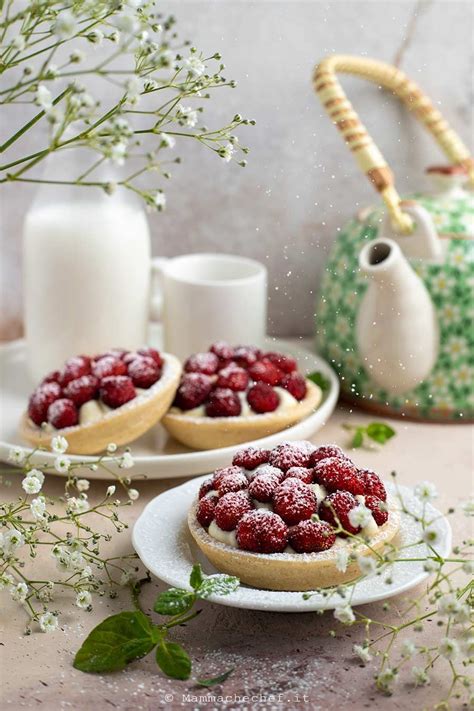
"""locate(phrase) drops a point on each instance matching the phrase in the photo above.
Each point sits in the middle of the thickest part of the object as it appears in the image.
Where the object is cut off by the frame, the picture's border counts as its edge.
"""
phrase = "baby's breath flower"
(12, 540)
(77, 505)
(111, 448)
(31, 485)
(342, 559)
(62, 464)
(126, 461)
(77, 56)
(65, 25)
(426, 491)
(18, 43)
(5, 580)
(95, 36)
(83, 599)
(167, 141)
(110, 491)
(226, 152)
(43, 97)
(430, 565)
(117, 152)
(468, 507)
(362, 652)
(420, 677)
(82, 485)
(186, 116)
(194, 66)
(17, 455)
(38, 508)
(448, 605)
(408, 649)
(360, 516)
(430, 535)
(59, 444)
(449, 648)
(344, 614)
(48, 622)
(133, 494)
(366, 564)
(468, 567)
(386, 678)
(19, 592)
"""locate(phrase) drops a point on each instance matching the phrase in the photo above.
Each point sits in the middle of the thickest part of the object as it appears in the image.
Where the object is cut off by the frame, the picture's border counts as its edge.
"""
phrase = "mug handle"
(158, 267)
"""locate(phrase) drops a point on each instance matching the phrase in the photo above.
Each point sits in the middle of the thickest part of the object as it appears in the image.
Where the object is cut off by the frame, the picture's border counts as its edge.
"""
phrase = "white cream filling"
(319, 491)
(227, 537)
(287, 402)
(262, 505)
(371, 529)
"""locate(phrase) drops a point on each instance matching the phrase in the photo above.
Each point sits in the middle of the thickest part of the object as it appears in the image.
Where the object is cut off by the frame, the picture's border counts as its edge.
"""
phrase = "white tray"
(156, 455)
(162, 540)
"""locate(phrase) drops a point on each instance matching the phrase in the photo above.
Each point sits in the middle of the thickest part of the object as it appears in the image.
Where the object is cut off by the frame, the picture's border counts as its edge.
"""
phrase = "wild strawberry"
(338, 474)
(230, 508)
(246, 355)
(311, 536)
(294, 501)
(268, 469)
(378, 508)
(52, 377)
(295, 383)
(205, 510)
(221, 473)
(152, 353)
(63, 413)
(263, 398)
(373, 486)
(291, 454)
(223, 351)
(325, 451)
(233, 377)
(82, 389)
(44, 395)
(231, 482)
(108, 365)
(74, 368)
(251, 457)
(118, 353)
(193, 390)
(301, 473)
(264, 371)
(285, 363)
(223, 402)
(116, 390)
(336, 507)
(144, 372)
(262, 531)
(263, 486)
(205, 487)
(206, 363)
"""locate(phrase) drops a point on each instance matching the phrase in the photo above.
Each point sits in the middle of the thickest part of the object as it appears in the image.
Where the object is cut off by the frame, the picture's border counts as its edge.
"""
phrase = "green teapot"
(395, 312)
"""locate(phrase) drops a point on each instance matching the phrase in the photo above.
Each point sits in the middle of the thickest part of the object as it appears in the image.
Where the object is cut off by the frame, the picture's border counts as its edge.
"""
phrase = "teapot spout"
(396, 329)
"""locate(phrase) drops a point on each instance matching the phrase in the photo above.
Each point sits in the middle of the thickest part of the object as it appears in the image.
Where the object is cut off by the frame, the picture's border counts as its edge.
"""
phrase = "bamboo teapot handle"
(366, 153)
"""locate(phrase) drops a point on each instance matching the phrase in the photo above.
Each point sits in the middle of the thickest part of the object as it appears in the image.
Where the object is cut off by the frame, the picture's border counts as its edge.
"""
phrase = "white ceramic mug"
(203, 298)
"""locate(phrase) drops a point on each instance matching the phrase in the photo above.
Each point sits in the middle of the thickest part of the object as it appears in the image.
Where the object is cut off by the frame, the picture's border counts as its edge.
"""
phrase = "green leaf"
(174, 601)
(173, 660)
(217, 585)
(380, 432)
(116, 641)
(215, 680)
(196, 577)
(318, 378)
(358, 438)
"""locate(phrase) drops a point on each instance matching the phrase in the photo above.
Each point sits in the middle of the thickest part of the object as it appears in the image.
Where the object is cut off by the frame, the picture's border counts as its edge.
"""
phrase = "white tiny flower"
(114, 36)
(420, 677)
(16, 455)
(126, 23)
(448, 605)
(386, 678)
(426, 491)
(344, 614)
(133, 494)
(19, 43)
(167, 141)
(62, 464)
(83, 599)
(430, 536)
(468, 567)
(59, 445)
(77, 56)
(12, 540)
(226, 152)
(366, 564)
(126, 461)
(38, 508)
(110, 491)
(449, 648)
(468, 507)
(467, 644)
(362, 652)
(462, 614)
(430, 565)
(76, 560)
(342, 559)
(77, 505)
(5, 580)
(360, 516)
(118, 152)
(95, 36)
(19, 592)
(48, 622)
(194, 66)
(37, 474)
(83, 484)
(408, 649)
(111, 448)
(31, 485)
(187, 116)
(43, 97)
(86, 572)
(65, 25)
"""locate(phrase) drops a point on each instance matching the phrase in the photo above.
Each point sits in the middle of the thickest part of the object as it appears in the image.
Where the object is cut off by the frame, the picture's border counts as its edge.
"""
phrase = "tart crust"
(218, 432)
(120, 426)
(292, 572)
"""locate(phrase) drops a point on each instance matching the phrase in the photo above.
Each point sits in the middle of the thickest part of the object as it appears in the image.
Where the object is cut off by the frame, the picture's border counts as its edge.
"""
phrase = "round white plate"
(162, 540)
(156, 455)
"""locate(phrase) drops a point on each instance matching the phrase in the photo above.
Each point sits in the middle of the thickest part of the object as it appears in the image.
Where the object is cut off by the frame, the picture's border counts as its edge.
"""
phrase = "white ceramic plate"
(165, 546)
(157, 456)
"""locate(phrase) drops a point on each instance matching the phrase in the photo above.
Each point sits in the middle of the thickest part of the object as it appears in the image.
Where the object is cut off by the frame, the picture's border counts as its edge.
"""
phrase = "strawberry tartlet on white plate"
(282, 519)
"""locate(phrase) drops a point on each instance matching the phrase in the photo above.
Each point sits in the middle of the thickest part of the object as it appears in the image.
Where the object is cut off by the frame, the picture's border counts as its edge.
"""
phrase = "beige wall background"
(300, 185)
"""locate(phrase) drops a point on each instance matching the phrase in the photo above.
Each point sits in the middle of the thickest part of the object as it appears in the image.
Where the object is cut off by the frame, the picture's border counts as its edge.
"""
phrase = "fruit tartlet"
(230, 395)
(92, 401)
(284, 519)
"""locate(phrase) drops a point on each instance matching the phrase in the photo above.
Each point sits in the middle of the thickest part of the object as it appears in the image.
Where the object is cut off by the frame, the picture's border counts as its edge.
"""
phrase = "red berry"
(222, 350)
(262, 531)
(378, 508)
(153, 354)
(284, 362)
(118, 353)
(263, 398)
(221, 473)
(230, 508)
(52, 377)
(373, 486)
(205, 510)
(325, 451)
(312, 536)
(63, 413)
(233, 377)
(74, 368)
(193, 390)
(338, 474)
(231, 482)
(246, 355)
(108, 365)
(264, 371)
(336, 507)
(294, 501)
(291, 454)
(295, 383)
(263, 486)
(82, 389)
(206, 363)
(223, 402)
(41, 399)
(301, 473)
(116, 390)
(205, 487)
(251, 457)
(144, 372)
(269, 469)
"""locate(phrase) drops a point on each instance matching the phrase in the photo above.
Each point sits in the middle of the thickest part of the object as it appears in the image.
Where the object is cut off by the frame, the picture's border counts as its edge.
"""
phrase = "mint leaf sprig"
(378, 432)
(127, 636)
(319, 379)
